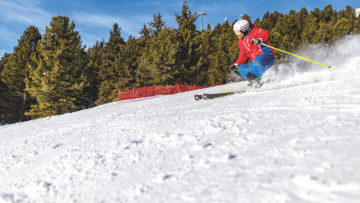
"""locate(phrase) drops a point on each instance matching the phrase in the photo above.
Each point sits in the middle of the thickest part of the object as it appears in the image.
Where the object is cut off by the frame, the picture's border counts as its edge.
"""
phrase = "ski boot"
(254, 81)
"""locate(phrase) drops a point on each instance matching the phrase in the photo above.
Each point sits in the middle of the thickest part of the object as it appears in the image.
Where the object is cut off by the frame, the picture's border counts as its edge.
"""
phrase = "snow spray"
(344, 54)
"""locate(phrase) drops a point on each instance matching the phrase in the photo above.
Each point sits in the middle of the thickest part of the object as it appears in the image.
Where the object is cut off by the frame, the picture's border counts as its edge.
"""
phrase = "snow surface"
(296, 139)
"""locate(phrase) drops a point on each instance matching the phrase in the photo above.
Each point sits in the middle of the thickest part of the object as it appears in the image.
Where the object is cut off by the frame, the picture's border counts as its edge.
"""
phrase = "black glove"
(256, 41)
(233, 68)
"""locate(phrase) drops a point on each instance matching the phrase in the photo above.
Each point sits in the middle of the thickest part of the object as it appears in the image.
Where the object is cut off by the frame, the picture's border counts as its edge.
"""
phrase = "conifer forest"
(53, 73)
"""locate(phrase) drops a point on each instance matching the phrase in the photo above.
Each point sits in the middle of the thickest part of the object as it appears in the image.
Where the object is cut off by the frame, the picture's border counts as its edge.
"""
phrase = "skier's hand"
(256, 41)
(233, 67)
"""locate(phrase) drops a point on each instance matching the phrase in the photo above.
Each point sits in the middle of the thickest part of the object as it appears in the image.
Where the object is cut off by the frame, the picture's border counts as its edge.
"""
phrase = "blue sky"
(94, 18)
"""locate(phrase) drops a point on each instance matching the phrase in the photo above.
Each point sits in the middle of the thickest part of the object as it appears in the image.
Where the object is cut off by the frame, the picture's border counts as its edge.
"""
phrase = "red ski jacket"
(248, 49)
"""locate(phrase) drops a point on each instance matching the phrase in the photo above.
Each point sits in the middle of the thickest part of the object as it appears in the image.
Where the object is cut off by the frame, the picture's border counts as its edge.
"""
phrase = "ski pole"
(301, 57)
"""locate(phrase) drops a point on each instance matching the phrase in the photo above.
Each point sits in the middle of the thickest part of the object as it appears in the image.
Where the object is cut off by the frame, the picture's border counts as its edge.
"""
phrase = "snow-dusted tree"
(57, 81)
(16, 70)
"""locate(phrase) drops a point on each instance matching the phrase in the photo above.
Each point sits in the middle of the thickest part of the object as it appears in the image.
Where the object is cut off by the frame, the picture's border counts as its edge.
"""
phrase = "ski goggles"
(237, 32)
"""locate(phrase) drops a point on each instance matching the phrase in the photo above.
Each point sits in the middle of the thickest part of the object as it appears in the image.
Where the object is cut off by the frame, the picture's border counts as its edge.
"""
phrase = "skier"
(250, 39)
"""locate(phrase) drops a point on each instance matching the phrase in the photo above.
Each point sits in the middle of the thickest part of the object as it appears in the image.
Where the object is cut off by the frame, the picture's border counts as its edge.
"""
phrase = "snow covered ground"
(296, 139)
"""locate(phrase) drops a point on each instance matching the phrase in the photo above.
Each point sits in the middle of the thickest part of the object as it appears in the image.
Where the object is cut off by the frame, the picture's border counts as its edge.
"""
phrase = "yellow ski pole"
(306, 59)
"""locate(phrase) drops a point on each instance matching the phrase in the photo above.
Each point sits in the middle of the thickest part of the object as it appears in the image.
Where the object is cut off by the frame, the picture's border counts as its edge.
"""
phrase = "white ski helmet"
(241, 26)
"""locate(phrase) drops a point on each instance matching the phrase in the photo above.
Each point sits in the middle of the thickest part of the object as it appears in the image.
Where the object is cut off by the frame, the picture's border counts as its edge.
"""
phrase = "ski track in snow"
(293, 140)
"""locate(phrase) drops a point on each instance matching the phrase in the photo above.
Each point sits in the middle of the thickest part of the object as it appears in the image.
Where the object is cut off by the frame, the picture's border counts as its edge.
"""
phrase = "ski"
(198, 97)
(216, 95)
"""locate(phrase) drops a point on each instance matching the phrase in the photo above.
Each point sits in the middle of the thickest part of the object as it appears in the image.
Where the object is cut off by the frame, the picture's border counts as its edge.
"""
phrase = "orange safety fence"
(156, 90)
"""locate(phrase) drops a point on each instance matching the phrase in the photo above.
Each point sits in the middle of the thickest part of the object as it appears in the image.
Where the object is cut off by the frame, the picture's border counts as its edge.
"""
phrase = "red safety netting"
(156, 90)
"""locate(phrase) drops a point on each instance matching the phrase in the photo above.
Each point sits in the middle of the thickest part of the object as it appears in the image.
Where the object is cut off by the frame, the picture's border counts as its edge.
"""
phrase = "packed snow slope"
(296, 139)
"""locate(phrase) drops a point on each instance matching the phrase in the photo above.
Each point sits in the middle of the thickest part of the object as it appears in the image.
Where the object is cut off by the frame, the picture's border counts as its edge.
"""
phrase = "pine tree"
(265, 23)
(225, 53)
(110, 68)
(4, 96)
(186, 57)
(311, 26)
(155, 59)
(347, 13)
(145, 34)
(269, 21)
(325, 33)
(92, 72)
(291, 28)
(246, 17)
(205, 50)
(218, 71)
(257, 22)
(158, 62)
(278, 37)
(343, 26)
(130, 54)
(303, 14)
(346, 22)
(156, 25)
(16, 70)
(57, 80)
(328, 15)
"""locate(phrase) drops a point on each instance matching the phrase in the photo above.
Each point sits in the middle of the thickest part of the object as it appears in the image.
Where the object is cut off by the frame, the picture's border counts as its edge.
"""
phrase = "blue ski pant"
(260, 65)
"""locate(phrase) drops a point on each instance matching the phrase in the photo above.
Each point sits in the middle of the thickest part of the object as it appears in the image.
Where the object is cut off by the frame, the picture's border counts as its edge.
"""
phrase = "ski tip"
(198, 97)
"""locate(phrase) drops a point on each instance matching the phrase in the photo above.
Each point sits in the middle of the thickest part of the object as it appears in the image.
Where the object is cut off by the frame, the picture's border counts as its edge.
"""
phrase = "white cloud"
(8, 40)
(24, 12)
(2, 52)
(15, 16)
(6, 34)
(130, 25)
(95, 19)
